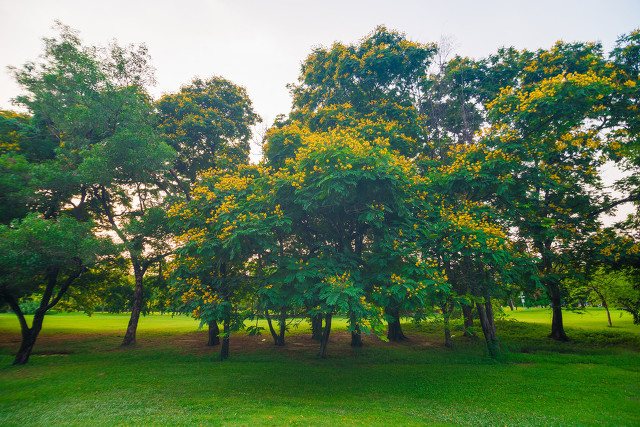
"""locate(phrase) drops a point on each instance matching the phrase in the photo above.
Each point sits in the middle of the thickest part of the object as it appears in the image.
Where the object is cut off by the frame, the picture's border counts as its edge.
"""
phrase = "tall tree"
(109, 158)
(549, 122)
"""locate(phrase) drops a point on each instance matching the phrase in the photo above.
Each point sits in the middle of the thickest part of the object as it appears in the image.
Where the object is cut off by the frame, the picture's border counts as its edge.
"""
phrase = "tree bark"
(132, 327)
(224, 350)
(325, 336)
(557, 327)
(485, 313)
(316, 327)
(29, 335)
(274, 335)
(283, 327)
(29, 339)
(603, 300)
(511, 306)
(356, 337)
(394, 332)
(278, 338)
(214, 331)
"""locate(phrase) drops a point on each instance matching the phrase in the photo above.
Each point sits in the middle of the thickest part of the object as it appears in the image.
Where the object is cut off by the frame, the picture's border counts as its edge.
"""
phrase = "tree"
(219, 236)
(47, 256)
(549, 122)
(608, 263)
(208, 123)
(373, 84)
(109, 158)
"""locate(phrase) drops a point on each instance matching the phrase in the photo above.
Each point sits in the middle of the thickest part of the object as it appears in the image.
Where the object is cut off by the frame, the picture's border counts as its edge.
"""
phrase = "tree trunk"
(467, 314)
(356, 337)
(274, 335)
(557, 327)
(132, 327)
(604, 304)
(224, 350)
(278, 338)
(511, 306)
(394, 333)
(485, 313)
(325, 336)
(283, 327)
(316, 327)
(29, 338)
(29, 335)
(214, 331)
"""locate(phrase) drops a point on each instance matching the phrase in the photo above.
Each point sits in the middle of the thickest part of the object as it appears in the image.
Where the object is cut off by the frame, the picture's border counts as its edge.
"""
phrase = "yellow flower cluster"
(197, 235)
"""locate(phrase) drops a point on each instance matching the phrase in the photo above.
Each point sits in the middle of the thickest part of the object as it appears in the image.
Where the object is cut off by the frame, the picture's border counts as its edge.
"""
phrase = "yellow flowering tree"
(373, 84)
(548, 126)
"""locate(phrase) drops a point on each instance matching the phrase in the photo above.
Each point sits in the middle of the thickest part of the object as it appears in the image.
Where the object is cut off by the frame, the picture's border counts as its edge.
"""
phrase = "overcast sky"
(259, 44)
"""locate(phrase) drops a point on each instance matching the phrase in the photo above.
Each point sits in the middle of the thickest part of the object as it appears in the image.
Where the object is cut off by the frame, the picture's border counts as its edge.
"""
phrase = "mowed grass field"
(79, 375)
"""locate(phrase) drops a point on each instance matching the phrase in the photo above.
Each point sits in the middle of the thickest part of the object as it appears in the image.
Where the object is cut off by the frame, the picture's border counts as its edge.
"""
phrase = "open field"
(79, 375)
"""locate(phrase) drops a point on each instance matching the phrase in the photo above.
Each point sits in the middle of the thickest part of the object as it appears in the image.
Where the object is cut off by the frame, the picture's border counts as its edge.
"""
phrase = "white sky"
(260, 44)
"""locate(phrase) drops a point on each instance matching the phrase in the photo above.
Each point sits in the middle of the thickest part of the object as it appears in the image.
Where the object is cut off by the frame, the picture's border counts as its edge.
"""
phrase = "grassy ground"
(79, 375)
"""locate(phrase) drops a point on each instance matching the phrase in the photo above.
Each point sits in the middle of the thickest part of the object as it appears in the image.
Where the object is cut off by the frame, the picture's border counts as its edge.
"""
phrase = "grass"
(79, 375)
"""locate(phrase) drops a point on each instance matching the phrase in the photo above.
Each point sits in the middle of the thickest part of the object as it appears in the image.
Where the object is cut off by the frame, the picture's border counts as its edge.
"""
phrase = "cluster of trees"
(402, 183)
(88, 175)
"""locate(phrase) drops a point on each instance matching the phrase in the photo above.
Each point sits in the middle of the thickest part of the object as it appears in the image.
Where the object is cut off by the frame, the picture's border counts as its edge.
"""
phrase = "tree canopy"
(401, 184)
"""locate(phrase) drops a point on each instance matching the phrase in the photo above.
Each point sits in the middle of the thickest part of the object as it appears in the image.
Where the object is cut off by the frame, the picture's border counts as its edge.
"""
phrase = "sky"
(260, 44)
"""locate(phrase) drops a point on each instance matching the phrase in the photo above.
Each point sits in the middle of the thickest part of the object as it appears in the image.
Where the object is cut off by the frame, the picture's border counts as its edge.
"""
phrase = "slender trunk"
(395, 328)
(316, 327)
(278, 338)
(214, 331)
(448, 342)
(356, 337)
(132, 327)
(485, 313)
(224, 350)
(283, 327)
(325, 336)
(557, 327)
(604, 304)
(511, 306)
(467, 314)
(271, 329)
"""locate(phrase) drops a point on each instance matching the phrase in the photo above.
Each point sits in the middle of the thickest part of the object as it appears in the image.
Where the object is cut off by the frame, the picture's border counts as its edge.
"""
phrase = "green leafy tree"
(211, 274)
(44, 257)
(109, 159)
(208, 123)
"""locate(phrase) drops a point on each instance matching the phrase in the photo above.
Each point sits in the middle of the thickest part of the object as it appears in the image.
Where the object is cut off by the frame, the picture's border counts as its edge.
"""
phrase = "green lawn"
(80, 376)
(591, 318)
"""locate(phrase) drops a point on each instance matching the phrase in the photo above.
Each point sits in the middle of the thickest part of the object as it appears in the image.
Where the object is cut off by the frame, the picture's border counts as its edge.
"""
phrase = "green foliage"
(208, 123)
